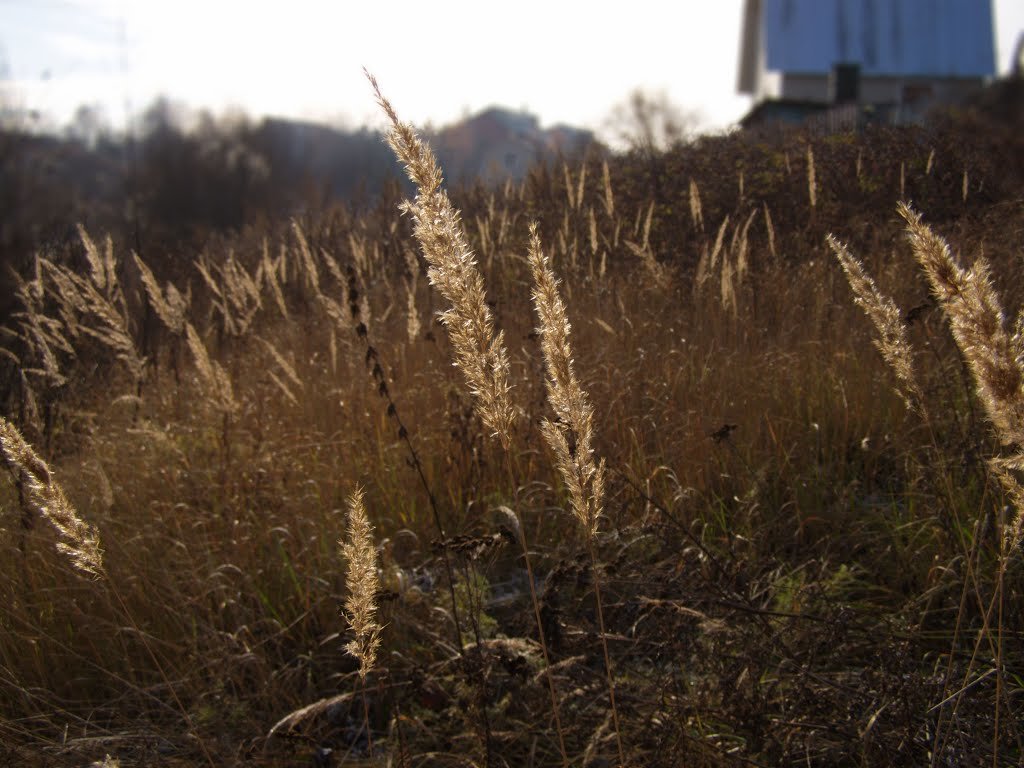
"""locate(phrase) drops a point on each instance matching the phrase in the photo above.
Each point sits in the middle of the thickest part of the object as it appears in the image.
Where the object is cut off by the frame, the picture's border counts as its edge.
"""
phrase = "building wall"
(936, 38)
(880, 90)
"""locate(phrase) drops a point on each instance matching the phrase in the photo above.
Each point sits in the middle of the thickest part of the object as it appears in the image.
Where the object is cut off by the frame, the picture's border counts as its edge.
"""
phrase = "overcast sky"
(565, 61)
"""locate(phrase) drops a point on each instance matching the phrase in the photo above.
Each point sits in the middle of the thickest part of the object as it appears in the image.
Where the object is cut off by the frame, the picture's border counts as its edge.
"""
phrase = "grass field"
(747, 511)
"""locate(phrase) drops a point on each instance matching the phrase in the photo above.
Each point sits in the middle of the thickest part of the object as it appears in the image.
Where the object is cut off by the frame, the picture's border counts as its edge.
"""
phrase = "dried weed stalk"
(812, 183)
(44, 497)
(479, 351)
(570, 434)
(994, 355)
(361, 577)
(891, 338)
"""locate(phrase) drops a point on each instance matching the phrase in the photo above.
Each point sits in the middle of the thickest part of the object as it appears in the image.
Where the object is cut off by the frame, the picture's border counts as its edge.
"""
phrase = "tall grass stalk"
(479, 350)
(891, 338)
(357, 307)
(44, 497)
(570, 434)
(361, 605)
(994, 356)
(812, 182)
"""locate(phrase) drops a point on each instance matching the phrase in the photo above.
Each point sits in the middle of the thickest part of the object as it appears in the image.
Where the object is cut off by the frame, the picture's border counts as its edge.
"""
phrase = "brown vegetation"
(779, 562)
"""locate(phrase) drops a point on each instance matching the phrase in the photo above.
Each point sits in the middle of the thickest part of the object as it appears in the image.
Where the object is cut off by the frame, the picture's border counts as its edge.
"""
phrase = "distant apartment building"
(857, 59)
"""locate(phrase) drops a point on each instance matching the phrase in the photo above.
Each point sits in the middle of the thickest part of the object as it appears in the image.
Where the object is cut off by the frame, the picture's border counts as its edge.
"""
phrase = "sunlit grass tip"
(79, 541)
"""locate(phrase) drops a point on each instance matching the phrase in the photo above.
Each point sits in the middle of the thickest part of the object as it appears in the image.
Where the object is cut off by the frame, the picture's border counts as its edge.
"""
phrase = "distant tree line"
(175, 180)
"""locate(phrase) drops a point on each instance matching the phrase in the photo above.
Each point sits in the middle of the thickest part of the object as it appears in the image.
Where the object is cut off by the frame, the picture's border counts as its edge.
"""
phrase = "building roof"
(923, 38)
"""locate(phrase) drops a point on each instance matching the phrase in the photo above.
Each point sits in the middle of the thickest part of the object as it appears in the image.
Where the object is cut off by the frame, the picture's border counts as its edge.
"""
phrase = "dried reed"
(44, 497)
(362, 580)
(213, 376)
(891, 338)
(812, 183)
(310, 272)
(743, 248)
(103, 268)
(994, 355)
(479, 351)
(570, 435)
(655, 270)
(609, 195)
(728, 287)
(719, 239)
(771, 233)
(170, 309)
(696, 210)
(978, 325)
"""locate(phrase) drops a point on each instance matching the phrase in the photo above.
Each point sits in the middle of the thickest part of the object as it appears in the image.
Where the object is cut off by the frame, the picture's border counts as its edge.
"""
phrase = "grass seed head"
(79, 541)
(361, 577)
(978, 324)
(570, 434)
(479, 350)
(891, 333)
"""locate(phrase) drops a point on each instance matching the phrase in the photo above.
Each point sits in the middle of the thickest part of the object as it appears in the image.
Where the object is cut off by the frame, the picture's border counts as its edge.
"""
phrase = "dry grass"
(891, 332)
(479, 351)
(361, 577)
(570, 435)
(782, 565)
(42, 496)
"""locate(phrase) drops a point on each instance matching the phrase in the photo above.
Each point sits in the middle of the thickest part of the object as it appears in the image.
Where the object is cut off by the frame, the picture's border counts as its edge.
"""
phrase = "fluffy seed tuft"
(479, 351)
(570, 434)
(44, 497)
(361, 607)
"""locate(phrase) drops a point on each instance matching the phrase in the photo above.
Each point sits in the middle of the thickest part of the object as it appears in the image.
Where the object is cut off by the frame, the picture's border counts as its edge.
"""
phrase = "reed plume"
(771, 233)
(994, 356)
(581, 185)
(102, 267)
(883, 313)
(655, 270)
(286, 368)
(696, 210)
(743, 248)
(570, 192)
(812, 183)
(978, 325)
(719, 239)
(79, 299)
(306, 260)
(728, 287)
(79, 541)
(362, 580)
(171, 310)
(609, 195)
(268, 272)
(214, 378)
(479, 351)
(570, 434)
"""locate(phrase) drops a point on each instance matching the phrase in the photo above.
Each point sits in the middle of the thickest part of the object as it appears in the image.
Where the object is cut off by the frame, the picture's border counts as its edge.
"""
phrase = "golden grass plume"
(79, 541)
(883, 313)
(479, 350)
(362, 580)
(976, 319)
(570, 434)
(994, 355)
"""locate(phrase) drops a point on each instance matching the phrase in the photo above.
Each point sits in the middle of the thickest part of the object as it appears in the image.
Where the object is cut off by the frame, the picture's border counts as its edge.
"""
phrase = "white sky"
(563, 60)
